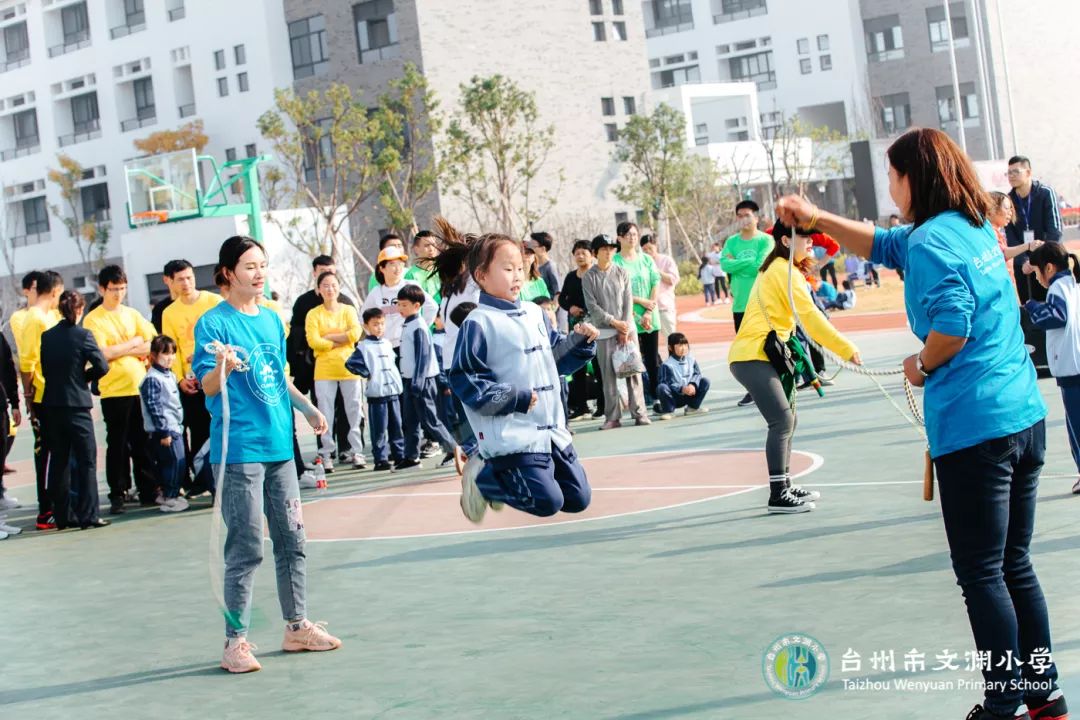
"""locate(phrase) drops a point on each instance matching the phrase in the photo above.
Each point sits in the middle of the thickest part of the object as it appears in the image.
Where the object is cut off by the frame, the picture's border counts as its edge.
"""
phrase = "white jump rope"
(217, 563)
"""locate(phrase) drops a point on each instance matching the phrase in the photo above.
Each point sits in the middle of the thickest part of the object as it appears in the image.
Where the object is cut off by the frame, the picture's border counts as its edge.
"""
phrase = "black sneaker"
(116, 507)
(1049, 708)
(788, 504)
(804, 494)
(747, 401)
(447, 460)
(407, 465)
(980, 713)
(382, 467)
(429, 449)
(598, 414)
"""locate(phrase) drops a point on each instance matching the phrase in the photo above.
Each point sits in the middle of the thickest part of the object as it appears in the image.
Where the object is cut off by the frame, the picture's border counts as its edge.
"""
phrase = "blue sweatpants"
(671, 397)
(1070, 395)
(421, 418)
(384, 423)
(537, 483)
(171, 464)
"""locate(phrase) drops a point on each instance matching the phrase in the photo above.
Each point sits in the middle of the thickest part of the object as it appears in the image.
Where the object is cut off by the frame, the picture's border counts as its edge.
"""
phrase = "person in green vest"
(644, 285)
(425, 248)
(534, 286)
(741, 259)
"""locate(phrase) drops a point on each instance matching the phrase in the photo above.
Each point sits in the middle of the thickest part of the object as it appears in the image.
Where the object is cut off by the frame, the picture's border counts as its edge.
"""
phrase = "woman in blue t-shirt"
(985, 418)
(259, 476)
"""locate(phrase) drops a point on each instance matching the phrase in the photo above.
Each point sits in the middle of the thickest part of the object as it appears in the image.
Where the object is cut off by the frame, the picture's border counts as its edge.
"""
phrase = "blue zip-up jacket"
(163, 415)
(505, 352)
(1044, 219)
(678, 373)
(373, 359)
(957, 284)
(1059, 316)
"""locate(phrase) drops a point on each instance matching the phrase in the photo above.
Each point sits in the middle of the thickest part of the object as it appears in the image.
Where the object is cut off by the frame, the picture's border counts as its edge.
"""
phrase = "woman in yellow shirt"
(332, 331)
(769, 310)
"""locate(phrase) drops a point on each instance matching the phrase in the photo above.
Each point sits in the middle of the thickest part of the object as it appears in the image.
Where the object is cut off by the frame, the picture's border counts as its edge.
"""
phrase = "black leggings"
(650, 355)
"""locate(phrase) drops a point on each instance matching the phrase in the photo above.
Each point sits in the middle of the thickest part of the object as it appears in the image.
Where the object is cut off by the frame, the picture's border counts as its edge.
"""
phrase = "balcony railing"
(886, 55)
(187, 110)
(740, 14)
(23, 149)
(136, 123)
(177, 13)
(30, 239)
(15, 60)
(135, 23)
(71, 43)
(86, 131)
(669, 29)
(100, 215)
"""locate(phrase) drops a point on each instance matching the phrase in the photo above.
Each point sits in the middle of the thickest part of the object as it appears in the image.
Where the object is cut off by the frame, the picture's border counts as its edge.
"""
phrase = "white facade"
(803, 59)
(178, 45)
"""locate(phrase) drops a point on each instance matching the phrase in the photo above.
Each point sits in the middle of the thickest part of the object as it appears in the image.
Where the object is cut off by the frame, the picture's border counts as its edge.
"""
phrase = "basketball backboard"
(162, 188)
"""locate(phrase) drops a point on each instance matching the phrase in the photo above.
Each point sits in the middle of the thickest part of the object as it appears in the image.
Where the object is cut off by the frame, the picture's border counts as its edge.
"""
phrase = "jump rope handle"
(928, 479)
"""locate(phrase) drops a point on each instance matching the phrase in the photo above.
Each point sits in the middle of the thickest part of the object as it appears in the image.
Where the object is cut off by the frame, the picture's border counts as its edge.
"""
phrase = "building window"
(84, 112)
(612, 132)
(242, 82)
(133, 13)
(884, 38)
(35, 215)
(939, 32)
(239, 54)
(95, 202)
(701, 134)
(620, 30)
(250, 150)
(376, 28)
(616, 7)
(219, 59)
(230, 154)
(805, 66)
(895, 112)
(679, 76)
(672, 13)
(222, 86)
(596, 7)
(629, 105)
(16, 43)
(144, 98)
(737, 10)
(76, 23)
(823, 43)
(598, 32)
(307, 43)
(26, 129)
(621, 217)
(607, 106)
(969, 103)
(804, 46)
(826, 62)
(756, 68)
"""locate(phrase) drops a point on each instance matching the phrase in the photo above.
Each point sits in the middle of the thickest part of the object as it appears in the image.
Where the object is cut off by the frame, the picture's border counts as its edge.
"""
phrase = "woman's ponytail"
(1075, 266)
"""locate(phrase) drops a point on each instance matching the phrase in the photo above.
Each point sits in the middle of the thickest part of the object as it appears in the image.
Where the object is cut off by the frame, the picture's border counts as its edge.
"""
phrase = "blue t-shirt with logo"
(261, 417)
(956, 283)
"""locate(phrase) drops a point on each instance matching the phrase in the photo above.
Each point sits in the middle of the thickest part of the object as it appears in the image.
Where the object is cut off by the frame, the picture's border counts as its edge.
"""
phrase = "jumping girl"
(1059, 316)
(769, 320)
(506, 372)
(259, 476)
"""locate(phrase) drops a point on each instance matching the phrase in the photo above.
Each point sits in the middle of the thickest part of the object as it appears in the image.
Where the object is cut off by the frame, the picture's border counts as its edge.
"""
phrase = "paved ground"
(634, 612)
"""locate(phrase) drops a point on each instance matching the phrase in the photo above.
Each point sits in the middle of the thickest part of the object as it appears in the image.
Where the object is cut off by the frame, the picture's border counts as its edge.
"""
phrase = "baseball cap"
(391, 252)
(602, 241)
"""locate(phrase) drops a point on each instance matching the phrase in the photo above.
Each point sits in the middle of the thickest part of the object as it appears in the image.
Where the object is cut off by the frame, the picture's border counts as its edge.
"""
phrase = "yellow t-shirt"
(749, 343)
(330, 361)
(16, 322)
(114, 328)
(178, 322)
(36, 323)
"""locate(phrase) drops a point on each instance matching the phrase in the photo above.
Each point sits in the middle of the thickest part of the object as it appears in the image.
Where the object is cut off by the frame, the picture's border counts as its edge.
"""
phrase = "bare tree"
(91, 239)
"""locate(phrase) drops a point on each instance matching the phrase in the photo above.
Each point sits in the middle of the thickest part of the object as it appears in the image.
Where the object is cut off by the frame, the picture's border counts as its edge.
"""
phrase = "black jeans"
(988, 494)
(127, 449)
(72, 465)
(41, 458)
(649, 343)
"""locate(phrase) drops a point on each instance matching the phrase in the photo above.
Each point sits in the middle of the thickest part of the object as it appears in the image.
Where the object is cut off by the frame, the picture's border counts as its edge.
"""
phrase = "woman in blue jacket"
(984, 414)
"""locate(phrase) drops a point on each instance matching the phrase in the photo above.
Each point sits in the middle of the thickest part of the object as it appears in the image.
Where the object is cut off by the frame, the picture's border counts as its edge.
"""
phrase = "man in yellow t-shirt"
(124, 338)
(41, 316)
(178, 322)
(18, 318)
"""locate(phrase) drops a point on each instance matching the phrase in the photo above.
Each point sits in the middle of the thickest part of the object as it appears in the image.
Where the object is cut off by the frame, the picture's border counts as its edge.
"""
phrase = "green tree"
(496, 151)
(699, 197)
(91, 239)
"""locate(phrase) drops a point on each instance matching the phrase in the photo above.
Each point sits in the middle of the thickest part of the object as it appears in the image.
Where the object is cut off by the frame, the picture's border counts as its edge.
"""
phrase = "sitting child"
(680, 383)
(845, 300)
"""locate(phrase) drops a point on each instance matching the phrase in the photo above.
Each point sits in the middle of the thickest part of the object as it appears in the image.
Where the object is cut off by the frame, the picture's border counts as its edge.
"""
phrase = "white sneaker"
(173, 505)
(358, 461)
(8, 529)
(1076, 487)
(691, 411)
(160, 499)
(306, 480)
(9, 503)
(3, 535)
(665, 416)
(473, 503)
(328, 464)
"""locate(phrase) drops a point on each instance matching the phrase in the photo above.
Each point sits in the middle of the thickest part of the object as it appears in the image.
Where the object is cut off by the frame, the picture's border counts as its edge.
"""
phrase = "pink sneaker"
(238, 657)
(611, 425)
(309, 636)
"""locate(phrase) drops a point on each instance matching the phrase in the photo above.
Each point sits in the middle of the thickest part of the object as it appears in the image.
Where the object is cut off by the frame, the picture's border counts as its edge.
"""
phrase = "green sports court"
(661, 601)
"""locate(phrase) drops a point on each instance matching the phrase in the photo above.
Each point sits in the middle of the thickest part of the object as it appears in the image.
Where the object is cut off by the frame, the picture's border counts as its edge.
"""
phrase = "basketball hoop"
(148, 218)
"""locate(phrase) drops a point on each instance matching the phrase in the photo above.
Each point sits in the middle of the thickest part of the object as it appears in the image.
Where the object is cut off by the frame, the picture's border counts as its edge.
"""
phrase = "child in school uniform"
(418, 372)
(163, 421)
(681, 383)
(1059, 316)
(548, 306)
(506, 371)
(373, 359)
